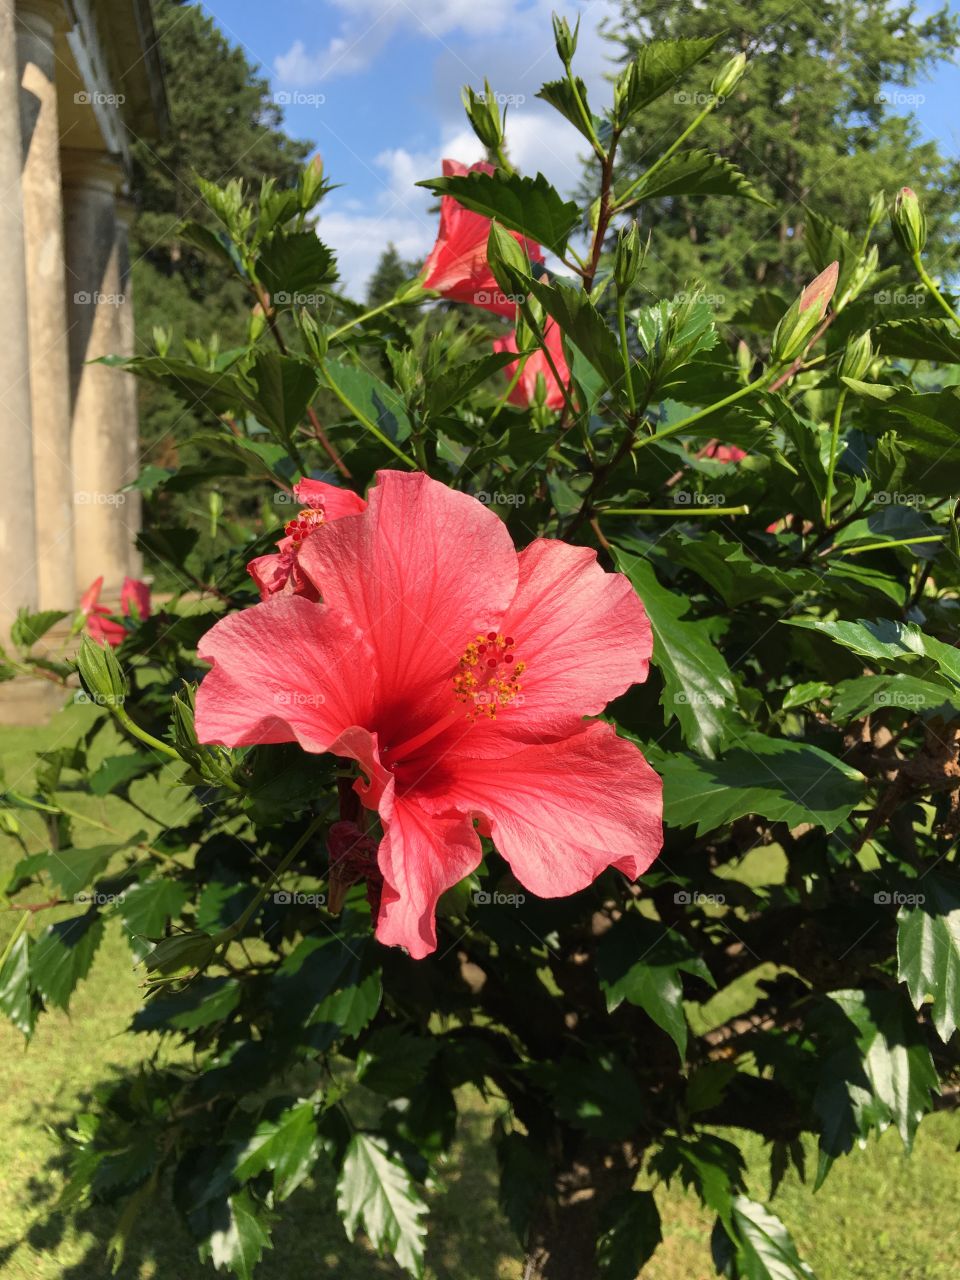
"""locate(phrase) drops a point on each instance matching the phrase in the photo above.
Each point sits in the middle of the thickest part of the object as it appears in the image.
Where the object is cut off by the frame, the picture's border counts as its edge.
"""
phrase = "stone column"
(104, 433)
(37, 21)
(18, 576)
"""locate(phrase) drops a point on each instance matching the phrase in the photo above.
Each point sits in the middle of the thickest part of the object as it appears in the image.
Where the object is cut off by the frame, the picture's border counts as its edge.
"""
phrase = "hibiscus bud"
(745, 361)
(629, 257)
(798, 324)
(565, 39)
(181, 953)
(909, 223)
(507, 259)
(484, 115)
(878, 207)
(310, 186)
(856, 357)
(162, 337)
(100, 673)
(258, 322)
(729, 76)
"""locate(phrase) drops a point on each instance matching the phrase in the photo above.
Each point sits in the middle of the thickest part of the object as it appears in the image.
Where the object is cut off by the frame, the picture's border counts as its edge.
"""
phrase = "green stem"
(132, 727)
(624, 350)
(678, 427)
(502, 160)
(834, 447)
(361, 319)
(227, 935)
(585, 116)
(371, 426)
(882, 546)
(662, 159)
(681, 511)
(925, 277)
(511, 385)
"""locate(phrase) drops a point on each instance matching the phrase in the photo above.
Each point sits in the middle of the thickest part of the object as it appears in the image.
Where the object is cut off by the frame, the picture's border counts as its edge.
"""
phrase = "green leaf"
(581, 322)
(928, 951)
(63, 955)
(525, 1179)
(640, 961)
(735, 576)
(113, 773)
(659, 66)
(912, 696)
(239, 1244)
(201, 1003)
(284, 388)
(215, 244)
(890, 643)
(295, 262)
(453, 384)
(147, 908)
(711, 1166)
(560, 95)
(757, 1246)
(528, 205)
(918, 339)
(697, 173)
(629, 1235)
(775, 778)
(368, 399)
(375, 1191)
(875, 1069)
(393, 1061)
(17, 998)
(802, 695)
(288, 1146)
(698, 688)
(73, 869)
(28, 627)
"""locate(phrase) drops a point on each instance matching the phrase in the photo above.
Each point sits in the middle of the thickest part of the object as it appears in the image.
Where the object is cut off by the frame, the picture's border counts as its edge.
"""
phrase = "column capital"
(92, 170)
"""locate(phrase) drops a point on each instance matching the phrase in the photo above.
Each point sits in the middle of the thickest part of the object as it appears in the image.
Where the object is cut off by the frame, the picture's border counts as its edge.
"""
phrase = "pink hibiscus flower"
(457, 673)
(281, 571)
(523, 393)
(134, 600)
(723, 452)
(457, 266)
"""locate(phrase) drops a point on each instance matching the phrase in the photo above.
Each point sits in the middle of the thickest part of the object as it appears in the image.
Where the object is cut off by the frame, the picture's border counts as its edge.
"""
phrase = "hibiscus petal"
(421, 856)
(135, 598)
(582, 634)
(560, 813)
(333, 500)
(286, 670)
(420, 572)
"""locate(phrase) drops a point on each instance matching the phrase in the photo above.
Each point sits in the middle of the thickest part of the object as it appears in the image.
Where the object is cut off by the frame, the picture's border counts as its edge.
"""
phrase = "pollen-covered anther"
(487, 676)
(304, 523)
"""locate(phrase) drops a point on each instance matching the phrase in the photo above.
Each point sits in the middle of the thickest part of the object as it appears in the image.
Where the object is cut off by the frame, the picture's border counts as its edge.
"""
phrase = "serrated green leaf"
(17, 999)
(73, 869)
(698, 687)
(560, 95)
(147, 908)
(760, 1246)
(453, 384)
(918, 339)
(775, 778)
(697, 173)
(928, 951)
(629, 1235)
(376, 1192)
(295, 262)
(369, 399)
(63, 955)
(284, 388)
(287, 1145)
(238, 1245)
(29, 627)
(659, 66)
(528, 205)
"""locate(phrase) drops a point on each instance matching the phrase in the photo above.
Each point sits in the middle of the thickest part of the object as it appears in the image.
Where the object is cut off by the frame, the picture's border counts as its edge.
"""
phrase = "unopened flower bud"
(798, 324)
(878, 206)
(729, 76)
(565, 39)
(484, 115)
(909, 224)
(629, 256)
(856, 357)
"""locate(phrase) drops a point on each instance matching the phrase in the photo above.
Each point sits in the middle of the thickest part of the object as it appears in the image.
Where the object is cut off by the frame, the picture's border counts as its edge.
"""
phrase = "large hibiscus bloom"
(457, 266)
(457, 673)
(536, 364)
(281, 571)
(134, 600)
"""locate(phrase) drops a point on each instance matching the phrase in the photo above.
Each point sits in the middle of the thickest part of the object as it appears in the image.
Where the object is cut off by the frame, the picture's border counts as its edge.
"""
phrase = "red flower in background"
(134, 602)
(281, 571)
(457, 673)
(723, 452)
(457, 266)
(523, 393)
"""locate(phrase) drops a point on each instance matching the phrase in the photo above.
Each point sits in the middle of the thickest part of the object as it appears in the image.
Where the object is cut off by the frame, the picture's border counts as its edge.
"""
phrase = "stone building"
(80, 80)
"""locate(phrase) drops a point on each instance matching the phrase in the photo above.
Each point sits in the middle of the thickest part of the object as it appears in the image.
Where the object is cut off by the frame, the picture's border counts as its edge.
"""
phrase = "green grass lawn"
(881, 1215)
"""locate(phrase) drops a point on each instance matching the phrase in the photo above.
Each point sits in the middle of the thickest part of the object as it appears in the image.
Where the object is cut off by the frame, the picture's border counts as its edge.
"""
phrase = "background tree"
(817, 122)
(224, 121)
(391, 271)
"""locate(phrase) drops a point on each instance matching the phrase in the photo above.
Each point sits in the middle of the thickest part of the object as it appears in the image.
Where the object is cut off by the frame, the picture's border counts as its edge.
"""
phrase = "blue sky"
(376, 85)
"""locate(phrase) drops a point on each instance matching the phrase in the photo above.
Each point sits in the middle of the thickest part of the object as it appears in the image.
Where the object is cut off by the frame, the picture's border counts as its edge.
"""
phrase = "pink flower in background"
(457, 672)
(457, 266)
(134, 602)
(281, 571)
(523, 393)
(723, 452)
